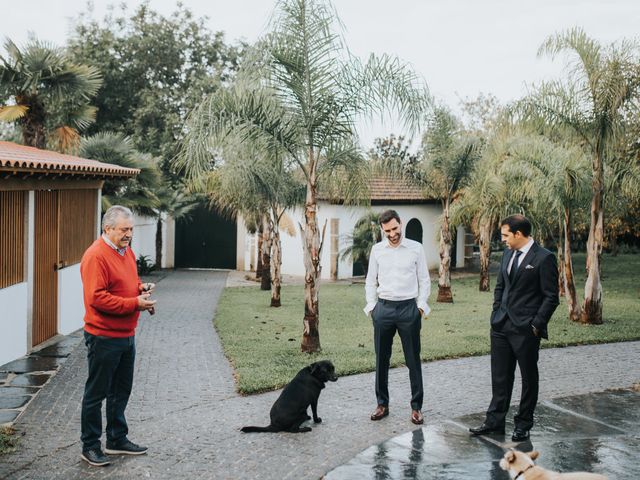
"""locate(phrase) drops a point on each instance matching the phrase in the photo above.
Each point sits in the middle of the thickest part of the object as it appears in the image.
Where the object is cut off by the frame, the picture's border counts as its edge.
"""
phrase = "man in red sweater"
(113, 300)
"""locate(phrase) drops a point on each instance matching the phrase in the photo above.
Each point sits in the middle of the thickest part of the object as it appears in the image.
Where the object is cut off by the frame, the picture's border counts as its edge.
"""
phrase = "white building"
(420, 221)
(49, 215)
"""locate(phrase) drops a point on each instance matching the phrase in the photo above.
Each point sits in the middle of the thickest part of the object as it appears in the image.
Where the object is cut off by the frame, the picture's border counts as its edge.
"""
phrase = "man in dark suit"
(525, 297)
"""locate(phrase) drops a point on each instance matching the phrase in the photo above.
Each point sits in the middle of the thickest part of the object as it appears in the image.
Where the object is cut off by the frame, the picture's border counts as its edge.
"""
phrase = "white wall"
(168, 242)
(292, 253)
(144, 237)
(70, 300)
(460, 244)
(13, 322)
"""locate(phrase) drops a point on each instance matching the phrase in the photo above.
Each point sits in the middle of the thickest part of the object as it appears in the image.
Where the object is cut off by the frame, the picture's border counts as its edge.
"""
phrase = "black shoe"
(485, 429)
(95, 457)
(520, 435)
(125, 448)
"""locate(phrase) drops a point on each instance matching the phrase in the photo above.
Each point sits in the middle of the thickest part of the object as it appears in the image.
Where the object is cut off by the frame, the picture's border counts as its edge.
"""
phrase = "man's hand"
(147, 287)
(421, 312)
(145, 304)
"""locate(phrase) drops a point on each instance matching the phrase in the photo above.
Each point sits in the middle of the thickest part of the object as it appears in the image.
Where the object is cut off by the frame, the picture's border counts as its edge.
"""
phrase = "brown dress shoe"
(416, 417)
(380, 412)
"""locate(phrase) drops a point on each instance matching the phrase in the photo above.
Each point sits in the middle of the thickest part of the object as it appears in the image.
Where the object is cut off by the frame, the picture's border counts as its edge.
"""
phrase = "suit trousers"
(404, 317)
(509, 347)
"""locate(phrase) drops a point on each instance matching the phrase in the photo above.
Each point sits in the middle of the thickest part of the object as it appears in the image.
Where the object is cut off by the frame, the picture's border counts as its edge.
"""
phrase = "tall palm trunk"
(569, 282)
(259, 248)
(592, 306)
(312, 248)
(444, 270)
(33, 134)
(276, 263)
(560, 255)
(485, 254)
(159, 241)
(267, 228)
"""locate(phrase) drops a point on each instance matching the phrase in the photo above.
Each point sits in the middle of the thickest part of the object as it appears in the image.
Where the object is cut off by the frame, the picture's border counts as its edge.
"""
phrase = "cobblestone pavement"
(185, 409)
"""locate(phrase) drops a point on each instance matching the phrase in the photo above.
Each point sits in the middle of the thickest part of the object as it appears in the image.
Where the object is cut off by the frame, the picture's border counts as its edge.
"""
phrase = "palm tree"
(138, 194)
(309, 94)
(256, 181)
(449, 157)
(558, 175)
(602, 82)
(43, 91)
(495, 191)
(366, 233)
(174, 202)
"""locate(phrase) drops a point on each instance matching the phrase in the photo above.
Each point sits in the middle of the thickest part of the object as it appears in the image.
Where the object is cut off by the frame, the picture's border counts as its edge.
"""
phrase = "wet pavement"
(22, 379)
(597, 432)
(185, 409)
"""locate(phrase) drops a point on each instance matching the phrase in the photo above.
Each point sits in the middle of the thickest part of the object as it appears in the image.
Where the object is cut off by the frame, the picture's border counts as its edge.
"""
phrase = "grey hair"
(113, 214)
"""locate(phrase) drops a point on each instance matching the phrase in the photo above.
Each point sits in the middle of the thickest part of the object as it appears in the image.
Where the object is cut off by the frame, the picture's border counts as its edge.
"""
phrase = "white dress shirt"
(524, 251)
(397, 273)
(121, 251)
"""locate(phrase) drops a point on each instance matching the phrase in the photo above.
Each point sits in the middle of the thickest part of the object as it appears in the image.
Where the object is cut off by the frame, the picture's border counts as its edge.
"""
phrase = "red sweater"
(111, 286)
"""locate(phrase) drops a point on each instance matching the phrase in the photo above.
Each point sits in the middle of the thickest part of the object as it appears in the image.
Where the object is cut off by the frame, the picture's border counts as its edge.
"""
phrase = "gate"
(206, 240)
(45, 288)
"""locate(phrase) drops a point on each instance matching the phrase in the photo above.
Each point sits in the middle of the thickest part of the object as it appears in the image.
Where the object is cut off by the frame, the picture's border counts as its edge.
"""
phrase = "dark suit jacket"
(533, 296)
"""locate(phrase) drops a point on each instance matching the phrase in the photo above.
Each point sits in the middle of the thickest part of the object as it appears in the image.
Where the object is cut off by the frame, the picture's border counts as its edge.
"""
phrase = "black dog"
(290, 409)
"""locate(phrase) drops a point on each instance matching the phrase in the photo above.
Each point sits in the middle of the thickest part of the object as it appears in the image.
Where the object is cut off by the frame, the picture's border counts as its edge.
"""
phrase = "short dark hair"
(517, 223)
(388, 215)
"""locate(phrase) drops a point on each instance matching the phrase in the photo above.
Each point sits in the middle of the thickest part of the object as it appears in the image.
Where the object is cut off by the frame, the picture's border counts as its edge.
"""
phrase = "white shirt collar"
(386, 244)
(527, 247)
(121, 251)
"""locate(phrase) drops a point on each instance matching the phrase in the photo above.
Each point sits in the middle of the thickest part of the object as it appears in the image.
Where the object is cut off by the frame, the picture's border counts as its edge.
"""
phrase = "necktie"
(514, 266)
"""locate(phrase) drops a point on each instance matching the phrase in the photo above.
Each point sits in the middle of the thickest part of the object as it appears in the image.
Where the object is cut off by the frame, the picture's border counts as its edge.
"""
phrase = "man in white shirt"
(397, 289)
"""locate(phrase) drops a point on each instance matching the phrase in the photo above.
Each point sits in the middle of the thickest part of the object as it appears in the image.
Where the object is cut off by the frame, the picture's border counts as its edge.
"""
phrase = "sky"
(462, 48)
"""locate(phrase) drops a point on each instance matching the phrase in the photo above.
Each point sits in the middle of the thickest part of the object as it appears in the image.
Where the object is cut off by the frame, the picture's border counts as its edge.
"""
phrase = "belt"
(396, 302)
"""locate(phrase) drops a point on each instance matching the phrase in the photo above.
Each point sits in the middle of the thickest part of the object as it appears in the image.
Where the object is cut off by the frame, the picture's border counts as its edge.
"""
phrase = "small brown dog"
(521, 467)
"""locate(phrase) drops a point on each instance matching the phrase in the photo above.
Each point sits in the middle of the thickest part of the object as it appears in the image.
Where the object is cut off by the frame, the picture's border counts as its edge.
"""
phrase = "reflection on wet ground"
(597, 432)
(22, 379)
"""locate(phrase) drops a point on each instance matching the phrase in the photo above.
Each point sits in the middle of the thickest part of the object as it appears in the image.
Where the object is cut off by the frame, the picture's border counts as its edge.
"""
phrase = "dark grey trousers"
(404, 317)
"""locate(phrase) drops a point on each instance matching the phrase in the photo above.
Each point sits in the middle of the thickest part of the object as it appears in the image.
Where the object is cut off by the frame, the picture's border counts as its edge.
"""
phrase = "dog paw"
(317, 420)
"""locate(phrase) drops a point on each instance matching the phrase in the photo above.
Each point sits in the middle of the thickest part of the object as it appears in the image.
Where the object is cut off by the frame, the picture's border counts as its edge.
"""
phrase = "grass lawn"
(263, 343)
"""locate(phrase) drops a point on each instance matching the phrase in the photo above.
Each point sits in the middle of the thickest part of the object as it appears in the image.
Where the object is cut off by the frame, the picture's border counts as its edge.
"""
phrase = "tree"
(137, 193)
(174, 202)
(166, 65)
(45, 92)
(311, 93)
(448, 162)
(496, 190)
(366, 233)
(559, 178)
(602, 82)
(255, 181)
(391, 154)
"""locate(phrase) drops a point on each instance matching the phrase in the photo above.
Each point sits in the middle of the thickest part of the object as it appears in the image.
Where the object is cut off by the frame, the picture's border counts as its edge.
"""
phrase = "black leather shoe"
(485, 429)
(125, 448)
(95, 457)
(520, 435)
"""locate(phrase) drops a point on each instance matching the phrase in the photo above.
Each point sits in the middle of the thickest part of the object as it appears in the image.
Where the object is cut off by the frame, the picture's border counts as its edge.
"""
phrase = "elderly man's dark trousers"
(405, 318)
(110, 377)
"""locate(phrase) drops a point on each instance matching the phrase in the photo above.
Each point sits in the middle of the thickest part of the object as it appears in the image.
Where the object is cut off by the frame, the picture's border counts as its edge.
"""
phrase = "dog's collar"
(520, 473)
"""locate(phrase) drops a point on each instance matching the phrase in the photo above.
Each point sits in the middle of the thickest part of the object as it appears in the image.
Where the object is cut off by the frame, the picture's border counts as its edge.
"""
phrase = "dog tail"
(270, 428)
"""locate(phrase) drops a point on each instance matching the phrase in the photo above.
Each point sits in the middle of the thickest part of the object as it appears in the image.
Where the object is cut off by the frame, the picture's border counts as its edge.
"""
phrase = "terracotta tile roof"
(21, 159)
(385, 188)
